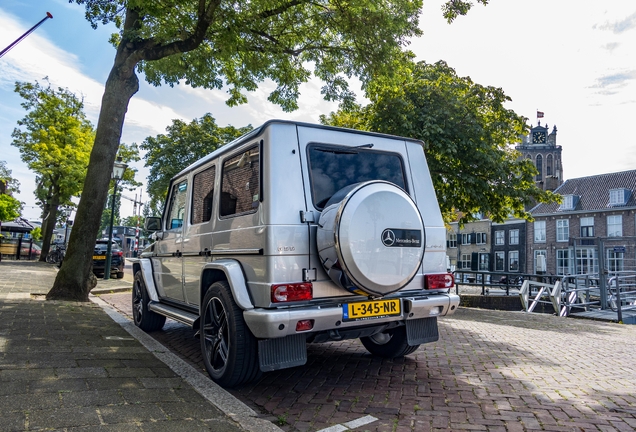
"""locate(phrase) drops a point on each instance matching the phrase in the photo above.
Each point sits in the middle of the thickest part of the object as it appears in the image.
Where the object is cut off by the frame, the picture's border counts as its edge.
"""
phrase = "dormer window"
(619, 197)
(569, 202)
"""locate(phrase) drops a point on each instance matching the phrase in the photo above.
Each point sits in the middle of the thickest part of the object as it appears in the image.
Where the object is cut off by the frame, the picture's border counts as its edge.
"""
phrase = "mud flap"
(281, 353)
(421, 331)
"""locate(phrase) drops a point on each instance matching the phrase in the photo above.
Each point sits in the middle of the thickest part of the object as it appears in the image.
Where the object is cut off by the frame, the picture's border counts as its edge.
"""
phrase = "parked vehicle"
(32, 252)
(117, 259)
(296, 234)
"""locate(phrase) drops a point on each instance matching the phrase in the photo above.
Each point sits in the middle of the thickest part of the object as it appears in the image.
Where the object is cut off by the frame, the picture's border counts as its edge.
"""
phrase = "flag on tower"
(539, 114)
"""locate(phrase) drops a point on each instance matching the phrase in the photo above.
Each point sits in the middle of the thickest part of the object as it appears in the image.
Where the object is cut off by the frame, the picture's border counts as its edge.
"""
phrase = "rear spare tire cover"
(371, 238)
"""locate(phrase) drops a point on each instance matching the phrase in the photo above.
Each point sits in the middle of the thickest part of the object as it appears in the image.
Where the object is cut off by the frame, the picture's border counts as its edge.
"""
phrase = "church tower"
(540, 147)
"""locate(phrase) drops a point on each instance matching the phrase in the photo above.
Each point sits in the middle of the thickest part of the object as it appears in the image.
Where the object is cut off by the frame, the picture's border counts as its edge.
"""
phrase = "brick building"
(469, 247)
(509, 246)
(596, 219)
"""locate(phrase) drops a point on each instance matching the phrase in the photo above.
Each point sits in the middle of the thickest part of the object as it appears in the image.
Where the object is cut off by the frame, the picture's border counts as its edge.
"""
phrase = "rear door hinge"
(307, 216)
(309, 275)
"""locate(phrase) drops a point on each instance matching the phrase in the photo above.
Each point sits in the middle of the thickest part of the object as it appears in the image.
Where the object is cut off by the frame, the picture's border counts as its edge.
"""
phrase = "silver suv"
(294, 234)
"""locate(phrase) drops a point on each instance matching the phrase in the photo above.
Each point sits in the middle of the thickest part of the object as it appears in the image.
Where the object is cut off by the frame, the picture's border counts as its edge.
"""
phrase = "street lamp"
(118, 174)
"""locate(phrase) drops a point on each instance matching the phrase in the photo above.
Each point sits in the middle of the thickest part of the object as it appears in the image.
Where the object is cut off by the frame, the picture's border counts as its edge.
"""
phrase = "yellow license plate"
(99, 257)
(371, 309)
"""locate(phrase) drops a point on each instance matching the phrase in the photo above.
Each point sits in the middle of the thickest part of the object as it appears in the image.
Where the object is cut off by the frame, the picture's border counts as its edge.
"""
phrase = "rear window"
(334, 167)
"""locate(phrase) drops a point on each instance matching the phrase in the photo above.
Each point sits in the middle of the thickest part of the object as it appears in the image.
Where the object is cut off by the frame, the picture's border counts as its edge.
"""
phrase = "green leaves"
(183, 144)
(468, 136)
(10, 208)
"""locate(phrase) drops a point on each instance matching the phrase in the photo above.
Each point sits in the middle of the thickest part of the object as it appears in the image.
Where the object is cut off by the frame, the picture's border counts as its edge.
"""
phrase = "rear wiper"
(370, 145)
(337, 151)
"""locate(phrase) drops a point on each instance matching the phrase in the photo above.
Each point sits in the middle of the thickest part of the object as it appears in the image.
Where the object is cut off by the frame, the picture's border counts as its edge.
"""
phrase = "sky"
(573, 61)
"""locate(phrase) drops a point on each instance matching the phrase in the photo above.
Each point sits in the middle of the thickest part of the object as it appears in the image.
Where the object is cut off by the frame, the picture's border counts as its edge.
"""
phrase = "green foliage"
(36, 233)
(467, 131)
(183, 144)
(236, 46)
(10, 208)
(454, 8)
(12, 185)
(55, 140)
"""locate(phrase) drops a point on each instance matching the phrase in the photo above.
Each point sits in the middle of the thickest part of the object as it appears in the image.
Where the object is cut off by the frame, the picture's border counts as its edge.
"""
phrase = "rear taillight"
(439, 281)
(118, 254)
(292, 292)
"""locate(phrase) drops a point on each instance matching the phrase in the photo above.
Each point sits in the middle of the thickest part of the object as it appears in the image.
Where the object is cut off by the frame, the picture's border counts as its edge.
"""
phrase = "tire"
(144, 318)
(389, 344)
(50, 258)
(229, 349)
(120, 275)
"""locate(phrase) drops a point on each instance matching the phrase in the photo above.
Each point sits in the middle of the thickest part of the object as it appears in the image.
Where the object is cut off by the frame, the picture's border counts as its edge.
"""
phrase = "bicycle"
(56, 255)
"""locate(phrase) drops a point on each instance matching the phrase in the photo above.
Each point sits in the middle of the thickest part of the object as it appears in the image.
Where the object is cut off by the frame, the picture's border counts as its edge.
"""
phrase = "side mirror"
(152, 224)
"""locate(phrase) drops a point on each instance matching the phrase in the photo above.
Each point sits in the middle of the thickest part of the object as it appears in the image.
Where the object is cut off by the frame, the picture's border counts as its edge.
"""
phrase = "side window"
(202, 196)
(176, 211)
(240, 184)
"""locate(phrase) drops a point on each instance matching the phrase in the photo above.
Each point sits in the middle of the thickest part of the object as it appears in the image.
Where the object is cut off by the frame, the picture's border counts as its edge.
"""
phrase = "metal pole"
(110, 235)
(25, 34)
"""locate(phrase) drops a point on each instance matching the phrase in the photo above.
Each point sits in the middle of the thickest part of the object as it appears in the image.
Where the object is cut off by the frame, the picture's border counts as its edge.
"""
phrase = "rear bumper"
(276, 323)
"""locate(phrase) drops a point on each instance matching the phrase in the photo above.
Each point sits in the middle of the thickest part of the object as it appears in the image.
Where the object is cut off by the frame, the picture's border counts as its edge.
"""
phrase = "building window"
(569, 202)
(452, 240)
(513, 261)
(539, 166)
(618, 197)
(539, 231)
(615, 226)
(500, 238)
(481, 238)
(500, 258)
(548, 165)
(563, 230)
(540, 261)
(484, 261)
(586, 261)
(563, 262)
(614, 261)
(514, 237)
(587, 227)
(465, 262)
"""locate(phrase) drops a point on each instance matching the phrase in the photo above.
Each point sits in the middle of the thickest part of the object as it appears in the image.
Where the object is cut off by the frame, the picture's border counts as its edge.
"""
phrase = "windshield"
(333, 167)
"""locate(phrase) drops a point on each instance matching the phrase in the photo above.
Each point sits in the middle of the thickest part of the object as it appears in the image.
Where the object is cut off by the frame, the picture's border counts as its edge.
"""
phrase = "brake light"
(118, 254)
(292, 292)
(439, 281)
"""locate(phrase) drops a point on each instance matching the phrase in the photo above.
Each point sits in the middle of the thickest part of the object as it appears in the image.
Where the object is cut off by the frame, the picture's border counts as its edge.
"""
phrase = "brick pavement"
(490, 371)
(69, 366)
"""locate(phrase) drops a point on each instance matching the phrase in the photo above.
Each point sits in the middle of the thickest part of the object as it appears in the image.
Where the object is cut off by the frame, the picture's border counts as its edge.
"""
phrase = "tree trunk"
(47, 234)
(46, 242)
(73, 281)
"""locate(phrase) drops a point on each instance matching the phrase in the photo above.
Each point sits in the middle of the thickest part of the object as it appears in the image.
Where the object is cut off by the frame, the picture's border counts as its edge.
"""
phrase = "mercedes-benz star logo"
(388, 237)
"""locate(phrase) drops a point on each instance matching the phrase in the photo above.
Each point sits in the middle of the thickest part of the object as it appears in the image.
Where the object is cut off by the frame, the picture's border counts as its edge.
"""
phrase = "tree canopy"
(11, 185)
(234, 46)
(183, 144)
(55, 140)
(468, 135)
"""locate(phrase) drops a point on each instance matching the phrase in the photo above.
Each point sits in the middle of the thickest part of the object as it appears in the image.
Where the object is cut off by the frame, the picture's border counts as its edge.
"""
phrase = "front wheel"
(144, 318)
(389, 344)
(230, 350)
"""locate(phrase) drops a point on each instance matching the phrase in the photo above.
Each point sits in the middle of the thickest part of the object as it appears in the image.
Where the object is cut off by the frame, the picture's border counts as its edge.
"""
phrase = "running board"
(173, 313)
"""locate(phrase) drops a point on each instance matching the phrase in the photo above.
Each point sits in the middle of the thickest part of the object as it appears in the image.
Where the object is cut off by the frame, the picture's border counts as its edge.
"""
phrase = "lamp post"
(118, 174)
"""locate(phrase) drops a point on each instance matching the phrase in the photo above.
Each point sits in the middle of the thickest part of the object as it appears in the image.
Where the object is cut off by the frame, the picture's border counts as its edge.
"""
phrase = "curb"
(212, 392)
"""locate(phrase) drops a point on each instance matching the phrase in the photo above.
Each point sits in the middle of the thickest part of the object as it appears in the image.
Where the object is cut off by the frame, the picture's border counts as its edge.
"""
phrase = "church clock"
(538, 138)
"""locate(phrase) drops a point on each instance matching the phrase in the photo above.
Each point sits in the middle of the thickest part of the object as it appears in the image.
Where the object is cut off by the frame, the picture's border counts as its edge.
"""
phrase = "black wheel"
(120, 275)
(230, 350)
(50, 258)
(144, 318)
(389, 344)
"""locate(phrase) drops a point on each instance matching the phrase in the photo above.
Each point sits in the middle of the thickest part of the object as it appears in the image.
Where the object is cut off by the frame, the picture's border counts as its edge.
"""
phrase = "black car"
(117, 258)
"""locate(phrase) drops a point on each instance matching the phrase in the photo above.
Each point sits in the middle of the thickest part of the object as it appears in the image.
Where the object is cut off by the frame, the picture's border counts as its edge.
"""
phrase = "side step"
(184, 317)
